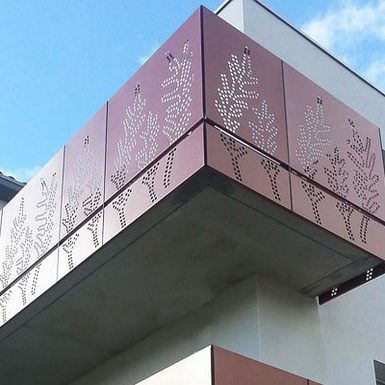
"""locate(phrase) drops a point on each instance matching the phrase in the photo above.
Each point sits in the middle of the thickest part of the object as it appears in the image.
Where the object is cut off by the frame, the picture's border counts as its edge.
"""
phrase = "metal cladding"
(165, 175)
(83, 184)
(159, 104)
(244, 88)
(337, 216)
(30, 222)
(245, 165)
(230, 368)
(209, 98)
(333, 145)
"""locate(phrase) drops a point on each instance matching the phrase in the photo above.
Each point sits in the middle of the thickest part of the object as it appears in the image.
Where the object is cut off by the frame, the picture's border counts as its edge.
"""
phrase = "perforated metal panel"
(244, 87)
(29, 287)
(161, 102)
(83, 189)
(337, 216)
(30, 223)
(243, 164)
(81, 244)
(333, 145)
(178, 164)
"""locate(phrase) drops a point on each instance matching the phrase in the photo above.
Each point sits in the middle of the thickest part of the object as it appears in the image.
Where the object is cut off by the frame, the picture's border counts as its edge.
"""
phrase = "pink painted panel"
(158, 105)
(248, 167)
(231, 368)
(177, 165)
(31, 221)
(83, 189)
(337, 216)
(244, 87)
(333, 145)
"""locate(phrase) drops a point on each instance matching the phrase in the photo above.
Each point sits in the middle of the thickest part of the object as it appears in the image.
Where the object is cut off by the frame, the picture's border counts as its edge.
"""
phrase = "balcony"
(215, 162)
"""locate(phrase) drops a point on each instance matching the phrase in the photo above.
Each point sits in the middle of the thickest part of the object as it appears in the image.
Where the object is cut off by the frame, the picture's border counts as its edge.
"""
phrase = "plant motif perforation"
(94, 179)
(45, 219)
(17, 253)
(148, 136)
(35, 277)
(238, 87)
(236, 152)
(93, 226)
(365, 179)
(264, 134)
(168, 169)
(178, 92)
(17, 234)
(337, 177)
(87, 182)
(316, 197)
(149, 181)
(119, 205)
(264, 130)
(4, 299)
(23, 262)
(313, 139)
(68, 247)
(132, 124)
(273, 170)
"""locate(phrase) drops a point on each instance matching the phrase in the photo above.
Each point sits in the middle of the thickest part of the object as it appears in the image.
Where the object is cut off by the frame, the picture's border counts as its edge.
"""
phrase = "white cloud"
(22, 174)
(143, 58)
(348, 22)
(354, 31)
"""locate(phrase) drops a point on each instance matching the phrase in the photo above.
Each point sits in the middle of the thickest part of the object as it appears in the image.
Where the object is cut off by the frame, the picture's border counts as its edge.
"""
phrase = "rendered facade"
(227, 205)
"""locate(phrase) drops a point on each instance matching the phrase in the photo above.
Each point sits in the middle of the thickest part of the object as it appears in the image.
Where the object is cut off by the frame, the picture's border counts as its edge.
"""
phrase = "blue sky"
(61, 60)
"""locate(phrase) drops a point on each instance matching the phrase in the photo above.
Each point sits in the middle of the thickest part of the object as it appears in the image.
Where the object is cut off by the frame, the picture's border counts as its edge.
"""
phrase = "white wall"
(257, 318)
(353, 332)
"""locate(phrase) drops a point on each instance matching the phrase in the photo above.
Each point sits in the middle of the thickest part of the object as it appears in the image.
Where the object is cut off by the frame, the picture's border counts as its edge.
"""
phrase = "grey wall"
(257, 318)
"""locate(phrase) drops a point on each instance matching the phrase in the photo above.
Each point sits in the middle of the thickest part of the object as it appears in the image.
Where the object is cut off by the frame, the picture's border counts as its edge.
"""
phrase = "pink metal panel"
(244, 87)
(181, 162)
(159, 104)
(245, 165)
(83, 189)
(29, 287)
(337, 216)
(30, 223)
(333, 145)
(81, 244)
(231, 368)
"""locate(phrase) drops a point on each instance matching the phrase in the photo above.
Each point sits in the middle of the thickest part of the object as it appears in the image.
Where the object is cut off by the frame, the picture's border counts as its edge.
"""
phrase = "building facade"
(227, 205)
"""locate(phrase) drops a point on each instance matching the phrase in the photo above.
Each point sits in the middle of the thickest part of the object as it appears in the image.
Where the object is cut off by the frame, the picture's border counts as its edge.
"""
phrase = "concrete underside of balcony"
(204, 237)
